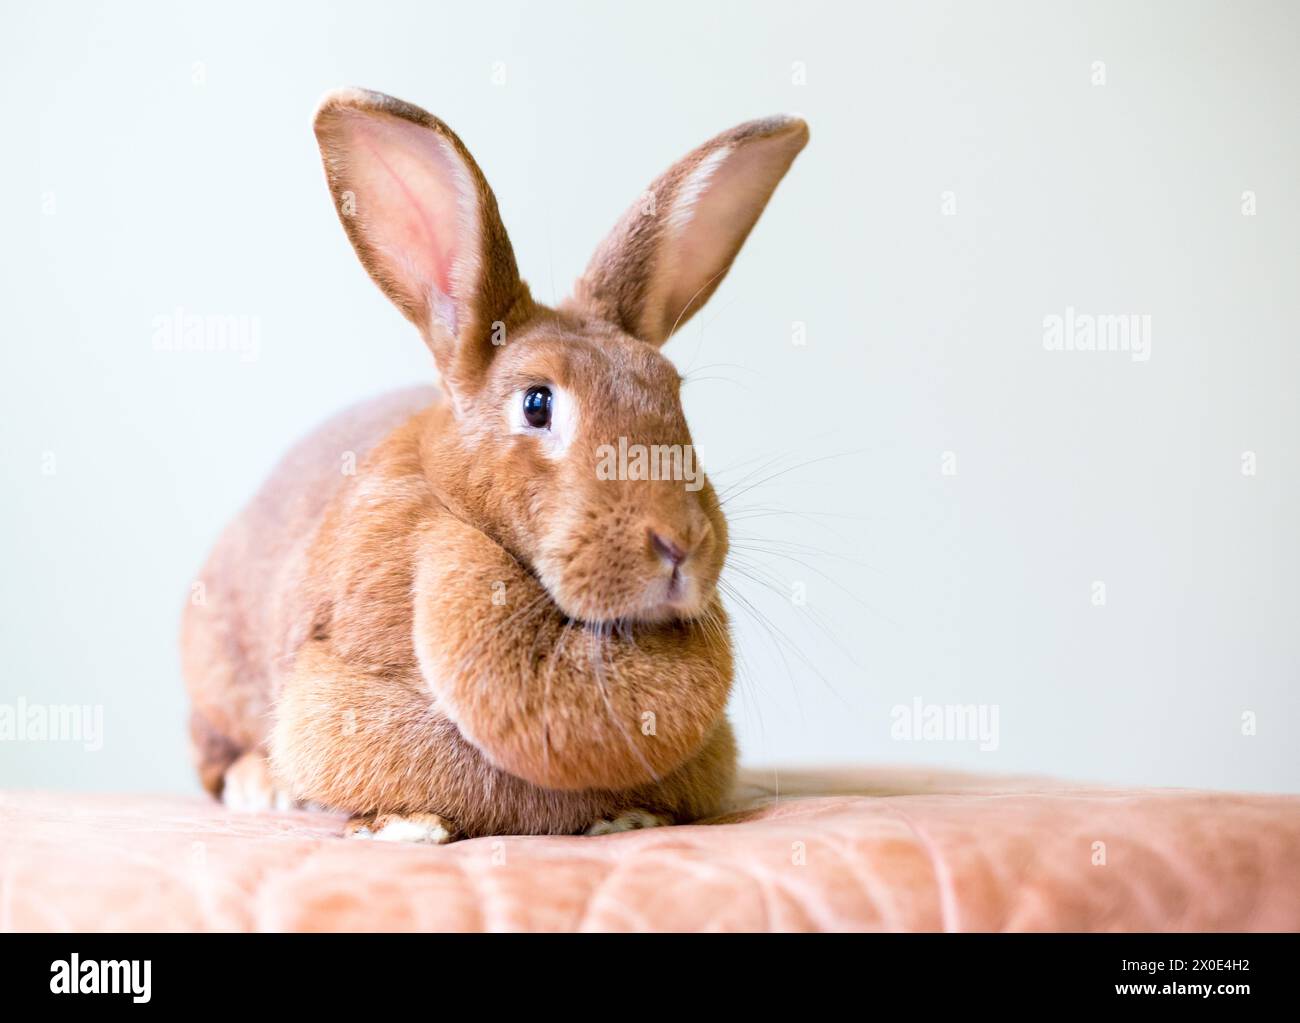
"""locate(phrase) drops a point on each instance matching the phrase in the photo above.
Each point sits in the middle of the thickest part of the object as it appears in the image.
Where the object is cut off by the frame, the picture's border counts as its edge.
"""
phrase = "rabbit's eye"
(537, 407)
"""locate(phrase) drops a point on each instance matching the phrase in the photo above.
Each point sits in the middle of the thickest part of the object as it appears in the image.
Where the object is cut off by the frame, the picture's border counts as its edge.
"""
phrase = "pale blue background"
(131, 188)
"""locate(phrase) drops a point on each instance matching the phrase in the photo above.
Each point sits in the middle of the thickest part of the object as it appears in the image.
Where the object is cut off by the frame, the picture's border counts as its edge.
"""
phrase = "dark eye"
(537, 407)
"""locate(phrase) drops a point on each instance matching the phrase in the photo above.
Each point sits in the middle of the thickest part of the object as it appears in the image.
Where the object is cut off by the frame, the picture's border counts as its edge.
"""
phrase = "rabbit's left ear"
(672, 249)
(425, 224)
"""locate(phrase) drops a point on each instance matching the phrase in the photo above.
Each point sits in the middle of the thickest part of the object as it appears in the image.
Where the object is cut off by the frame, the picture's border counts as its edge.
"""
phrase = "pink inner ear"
(719, 202)
(407, 182)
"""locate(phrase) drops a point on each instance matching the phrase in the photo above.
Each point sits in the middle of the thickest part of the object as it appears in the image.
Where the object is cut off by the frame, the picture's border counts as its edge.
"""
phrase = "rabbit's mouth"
(680, 596)
(677, 593)
(658, 567)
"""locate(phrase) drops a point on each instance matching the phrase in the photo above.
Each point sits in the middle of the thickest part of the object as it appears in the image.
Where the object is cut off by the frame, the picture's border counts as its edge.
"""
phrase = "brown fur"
(470, 626)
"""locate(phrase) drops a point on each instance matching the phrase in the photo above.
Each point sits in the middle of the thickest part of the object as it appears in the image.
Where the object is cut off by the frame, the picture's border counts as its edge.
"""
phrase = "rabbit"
(437, 616)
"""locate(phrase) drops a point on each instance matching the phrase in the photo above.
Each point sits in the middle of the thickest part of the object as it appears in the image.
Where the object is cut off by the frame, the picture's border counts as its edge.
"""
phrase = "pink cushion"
(835, 850)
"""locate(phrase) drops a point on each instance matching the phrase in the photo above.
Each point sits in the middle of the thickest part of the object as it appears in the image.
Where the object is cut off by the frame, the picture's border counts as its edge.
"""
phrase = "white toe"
(632, 820)
(428, 830)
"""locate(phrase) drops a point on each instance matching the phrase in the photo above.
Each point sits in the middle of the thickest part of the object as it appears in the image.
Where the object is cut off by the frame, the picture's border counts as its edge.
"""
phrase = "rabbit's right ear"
(671, 250)
(425, 223)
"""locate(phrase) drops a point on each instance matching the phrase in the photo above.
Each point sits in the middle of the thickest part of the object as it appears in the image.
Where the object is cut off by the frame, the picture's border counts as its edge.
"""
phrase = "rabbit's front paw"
(632, 820)
(427, 828)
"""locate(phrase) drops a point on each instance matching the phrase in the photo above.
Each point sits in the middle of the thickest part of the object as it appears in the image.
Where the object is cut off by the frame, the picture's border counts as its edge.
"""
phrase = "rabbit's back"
(249, 609)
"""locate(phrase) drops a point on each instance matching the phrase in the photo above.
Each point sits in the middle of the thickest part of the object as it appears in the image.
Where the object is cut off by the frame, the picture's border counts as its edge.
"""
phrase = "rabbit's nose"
(668, 548)
(677, 545)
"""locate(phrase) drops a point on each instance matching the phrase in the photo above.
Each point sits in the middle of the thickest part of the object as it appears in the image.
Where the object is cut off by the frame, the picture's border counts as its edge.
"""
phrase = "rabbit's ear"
(673, 247)
(425, 224)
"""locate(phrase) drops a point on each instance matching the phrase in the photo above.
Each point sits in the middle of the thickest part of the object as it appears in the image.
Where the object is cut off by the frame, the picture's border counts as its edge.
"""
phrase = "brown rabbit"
(439, 614)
